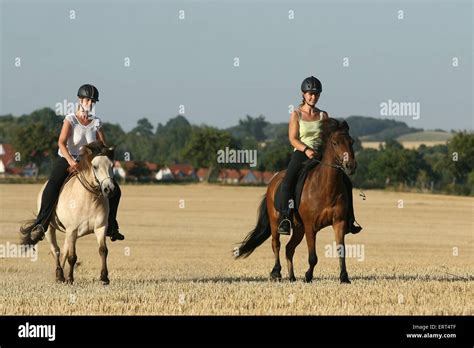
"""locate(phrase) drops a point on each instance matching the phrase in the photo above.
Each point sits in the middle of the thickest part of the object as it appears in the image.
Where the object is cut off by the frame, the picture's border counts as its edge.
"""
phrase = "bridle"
(94, 189)
(339, 162)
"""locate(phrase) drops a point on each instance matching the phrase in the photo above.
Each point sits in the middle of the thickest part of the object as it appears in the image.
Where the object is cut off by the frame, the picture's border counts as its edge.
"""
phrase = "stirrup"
(116, 235)
(354, 227)
(285, 233)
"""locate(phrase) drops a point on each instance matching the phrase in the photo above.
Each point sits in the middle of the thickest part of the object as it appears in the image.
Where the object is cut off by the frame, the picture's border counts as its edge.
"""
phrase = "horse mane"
(89, 151)
(328, 127)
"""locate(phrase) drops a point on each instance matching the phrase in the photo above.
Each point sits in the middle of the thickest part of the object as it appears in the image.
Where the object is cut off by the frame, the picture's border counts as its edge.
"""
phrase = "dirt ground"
(414, 256)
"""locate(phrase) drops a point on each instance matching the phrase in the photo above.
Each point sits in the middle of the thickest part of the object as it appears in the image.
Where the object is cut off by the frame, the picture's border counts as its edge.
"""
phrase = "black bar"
(240, 330)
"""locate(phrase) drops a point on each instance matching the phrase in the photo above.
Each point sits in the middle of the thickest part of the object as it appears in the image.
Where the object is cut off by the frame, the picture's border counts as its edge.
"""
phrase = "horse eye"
(334, 143)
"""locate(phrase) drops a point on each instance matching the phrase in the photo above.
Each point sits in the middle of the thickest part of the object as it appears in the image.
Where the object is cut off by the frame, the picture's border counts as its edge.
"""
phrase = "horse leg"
(340, 229)
(70, 242)
(275, 274)
(312, 257)
(295, 239)
(51, 237)
(103, 251)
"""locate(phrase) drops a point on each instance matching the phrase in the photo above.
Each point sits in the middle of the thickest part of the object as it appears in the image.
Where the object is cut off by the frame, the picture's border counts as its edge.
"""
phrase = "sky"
(223, 60)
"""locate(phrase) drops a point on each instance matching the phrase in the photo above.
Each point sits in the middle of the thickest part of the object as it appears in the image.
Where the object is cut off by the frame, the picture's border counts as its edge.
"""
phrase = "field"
(414, 140)
(177, 258)
(406, 144)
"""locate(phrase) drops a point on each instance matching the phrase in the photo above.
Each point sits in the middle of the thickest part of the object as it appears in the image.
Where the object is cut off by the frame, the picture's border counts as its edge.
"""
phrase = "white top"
(80, 135)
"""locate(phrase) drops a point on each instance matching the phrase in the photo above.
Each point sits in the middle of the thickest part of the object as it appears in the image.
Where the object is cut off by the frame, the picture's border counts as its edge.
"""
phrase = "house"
(7, 160)
(202, 174)
(152, 167)
(164, 174)
(140, 170)
(129, 165)
(248, 177)
(229, 176)
(183, 171)
(264, 177)
(31, 169)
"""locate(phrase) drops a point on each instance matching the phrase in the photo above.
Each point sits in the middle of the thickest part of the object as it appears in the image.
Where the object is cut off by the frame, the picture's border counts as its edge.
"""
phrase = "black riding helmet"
(311, 84)
(88, 91)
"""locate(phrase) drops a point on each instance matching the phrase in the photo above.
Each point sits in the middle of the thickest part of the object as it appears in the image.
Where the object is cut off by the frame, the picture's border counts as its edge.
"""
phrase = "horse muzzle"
(349, 167)
(108, 188)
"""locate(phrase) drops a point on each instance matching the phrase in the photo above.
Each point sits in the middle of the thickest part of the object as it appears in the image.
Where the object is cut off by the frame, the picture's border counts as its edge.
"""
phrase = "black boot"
(352, 228)
(285, 227)
(114, 234)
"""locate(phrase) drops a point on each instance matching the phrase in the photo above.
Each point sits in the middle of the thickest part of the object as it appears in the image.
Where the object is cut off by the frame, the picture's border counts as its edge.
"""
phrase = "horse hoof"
(308, 278)
(345, 281)
(69, 281)
(292, 279)
(105, 281)
(275, 276)
(60, 275)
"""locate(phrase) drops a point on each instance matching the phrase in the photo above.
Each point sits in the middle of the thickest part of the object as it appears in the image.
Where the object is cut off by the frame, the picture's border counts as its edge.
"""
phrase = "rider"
(78, 129)
(304, 136)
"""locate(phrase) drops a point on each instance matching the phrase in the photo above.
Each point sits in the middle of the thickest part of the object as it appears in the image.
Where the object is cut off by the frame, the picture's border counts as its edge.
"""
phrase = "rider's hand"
(73, 166)
(310, 153)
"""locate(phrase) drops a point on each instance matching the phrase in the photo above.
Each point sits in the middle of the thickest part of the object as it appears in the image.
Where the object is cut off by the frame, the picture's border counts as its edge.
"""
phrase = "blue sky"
(190, 62)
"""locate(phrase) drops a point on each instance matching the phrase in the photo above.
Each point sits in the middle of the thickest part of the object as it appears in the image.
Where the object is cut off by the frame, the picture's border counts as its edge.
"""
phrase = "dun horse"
(82, 208)
(324, 202)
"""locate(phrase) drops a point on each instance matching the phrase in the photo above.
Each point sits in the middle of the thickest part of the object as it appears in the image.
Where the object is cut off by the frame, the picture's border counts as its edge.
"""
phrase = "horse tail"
(258, 235)
(25, 232)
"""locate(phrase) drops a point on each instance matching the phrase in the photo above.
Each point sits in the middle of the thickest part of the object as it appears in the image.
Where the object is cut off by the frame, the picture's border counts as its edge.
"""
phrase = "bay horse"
(82, 208)
(324, 202)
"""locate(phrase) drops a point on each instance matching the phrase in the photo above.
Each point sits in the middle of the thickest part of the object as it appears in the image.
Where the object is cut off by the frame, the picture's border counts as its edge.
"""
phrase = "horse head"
(338, 144)
(99, 159)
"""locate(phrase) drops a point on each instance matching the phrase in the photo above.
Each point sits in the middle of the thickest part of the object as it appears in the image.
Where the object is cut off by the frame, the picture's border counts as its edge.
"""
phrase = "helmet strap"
(81, 108)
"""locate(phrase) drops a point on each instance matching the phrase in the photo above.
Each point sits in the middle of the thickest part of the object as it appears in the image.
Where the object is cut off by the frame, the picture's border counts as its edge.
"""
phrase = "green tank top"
(309, 131)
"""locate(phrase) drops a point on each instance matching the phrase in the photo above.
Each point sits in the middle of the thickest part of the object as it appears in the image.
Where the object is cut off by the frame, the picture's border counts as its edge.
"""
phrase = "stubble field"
(177, 258)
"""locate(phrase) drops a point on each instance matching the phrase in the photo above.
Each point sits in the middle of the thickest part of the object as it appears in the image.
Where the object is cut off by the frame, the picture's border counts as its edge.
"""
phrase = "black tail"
(258, 235)
(25, 232)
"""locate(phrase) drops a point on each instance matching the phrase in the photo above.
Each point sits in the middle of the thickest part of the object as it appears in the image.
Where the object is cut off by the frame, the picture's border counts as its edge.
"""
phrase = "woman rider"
(78, 129)
(303, 132)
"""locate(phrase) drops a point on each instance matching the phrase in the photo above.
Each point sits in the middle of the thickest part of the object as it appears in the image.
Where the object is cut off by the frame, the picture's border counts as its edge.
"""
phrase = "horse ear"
(88, 150)
(345, 126)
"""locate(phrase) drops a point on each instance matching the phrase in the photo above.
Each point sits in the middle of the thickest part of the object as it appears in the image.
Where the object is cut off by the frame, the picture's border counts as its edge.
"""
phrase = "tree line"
(442, 168)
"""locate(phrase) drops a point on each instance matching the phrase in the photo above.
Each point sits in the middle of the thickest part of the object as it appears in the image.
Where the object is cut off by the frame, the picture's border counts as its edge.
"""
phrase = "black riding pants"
(289, 181)
(51, 194)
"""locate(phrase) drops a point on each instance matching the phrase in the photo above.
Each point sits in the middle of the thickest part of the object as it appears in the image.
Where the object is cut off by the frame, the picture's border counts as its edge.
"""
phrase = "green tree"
(144, 128)
(170, 140)
(138, 142)
(250, 127)
(203, 146)
(461, 152)
(35, 143)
